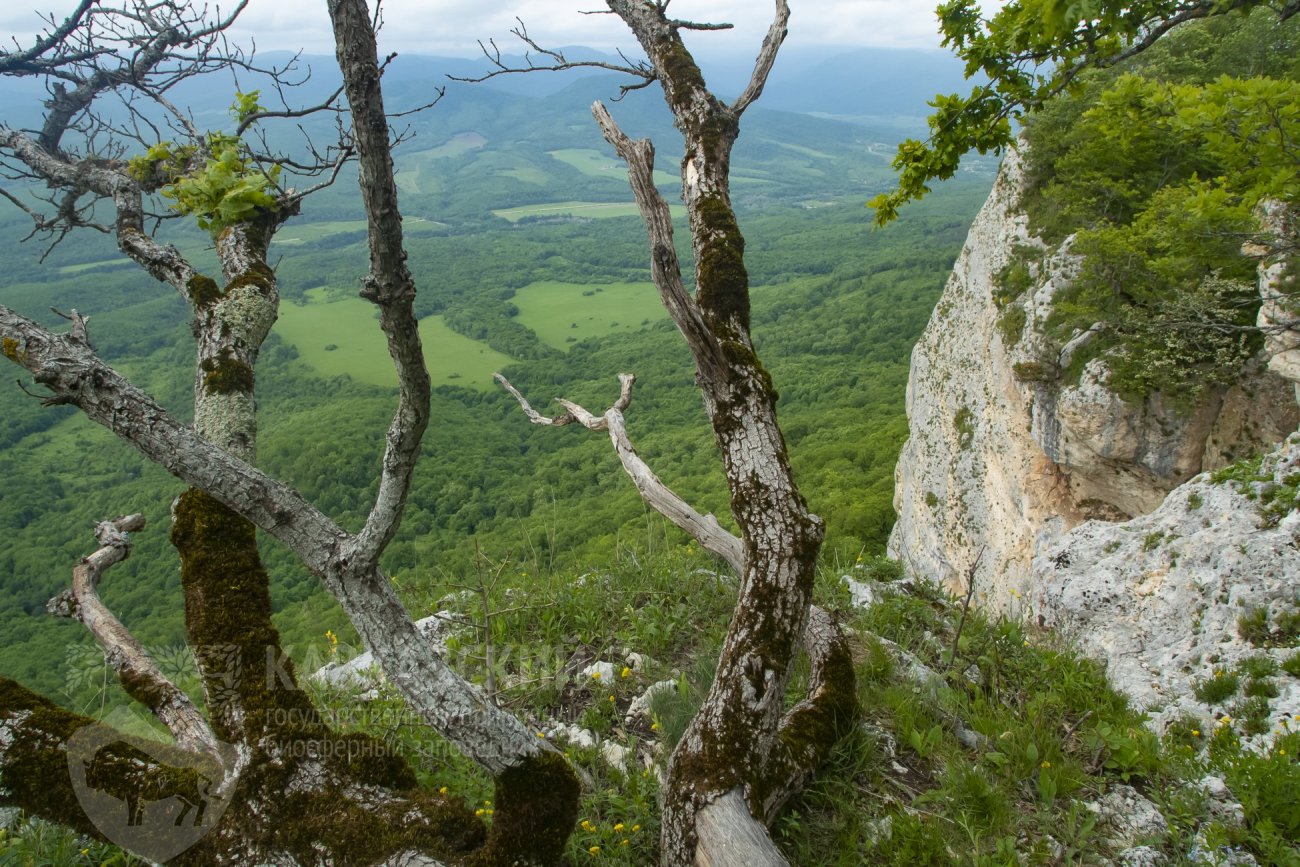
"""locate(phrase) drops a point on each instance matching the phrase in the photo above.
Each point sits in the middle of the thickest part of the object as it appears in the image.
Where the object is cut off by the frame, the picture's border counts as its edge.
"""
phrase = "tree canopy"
(1028, 52)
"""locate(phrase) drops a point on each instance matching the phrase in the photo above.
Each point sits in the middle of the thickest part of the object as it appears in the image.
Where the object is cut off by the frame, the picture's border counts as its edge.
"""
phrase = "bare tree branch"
(454, 707)
(558, 62)
(665, 266)
(766, 58)
(138, 673)
(31, 59)
(389, 284)
(704, 529)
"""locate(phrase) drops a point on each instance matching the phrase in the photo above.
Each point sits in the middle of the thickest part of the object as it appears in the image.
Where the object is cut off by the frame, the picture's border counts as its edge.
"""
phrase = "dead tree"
(742, 756)
(262, 743)
(296, 792)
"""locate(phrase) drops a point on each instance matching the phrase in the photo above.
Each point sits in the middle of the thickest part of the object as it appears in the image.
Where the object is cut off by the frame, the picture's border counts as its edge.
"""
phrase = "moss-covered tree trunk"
(292, 790)
(741, 747)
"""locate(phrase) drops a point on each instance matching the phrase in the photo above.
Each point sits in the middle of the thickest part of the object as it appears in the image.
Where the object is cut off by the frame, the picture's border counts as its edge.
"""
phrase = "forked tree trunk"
(297, 792)
(741, 757)
(741, 749)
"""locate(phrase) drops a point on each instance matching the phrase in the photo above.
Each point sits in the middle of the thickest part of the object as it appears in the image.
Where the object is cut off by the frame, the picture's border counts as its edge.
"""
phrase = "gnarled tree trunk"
(293, 791)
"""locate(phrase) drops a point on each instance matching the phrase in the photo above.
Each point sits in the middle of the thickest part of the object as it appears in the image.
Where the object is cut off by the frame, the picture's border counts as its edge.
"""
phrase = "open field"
(343, 337)
(419, 172)
(90, 266)
(596, 164)
(595, 210)
(564, 313)
(302, 233)
(460, 143)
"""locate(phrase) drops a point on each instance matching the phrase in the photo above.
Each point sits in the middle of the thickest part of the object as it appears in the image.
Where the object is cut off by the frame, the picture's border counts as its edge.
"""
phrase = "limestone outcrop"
(1004, 458)
(1185, 594)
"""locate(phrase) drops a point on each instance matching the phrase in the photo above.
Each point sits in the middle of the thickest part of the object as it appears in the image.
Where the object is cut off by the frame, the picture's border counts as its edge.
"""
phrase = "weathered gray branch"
(136, 670)
(735, 742)
(106, 180)
(665, 266)
(705, 529)
(33, 59)
(728, 836)
(452, 706)
(766, 58)
(389, 284)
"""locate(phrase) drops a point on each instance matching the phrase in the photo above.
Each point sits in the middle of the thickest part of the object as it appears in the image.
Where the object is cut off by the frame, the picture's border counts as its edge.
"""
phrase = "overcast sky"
(450, 27)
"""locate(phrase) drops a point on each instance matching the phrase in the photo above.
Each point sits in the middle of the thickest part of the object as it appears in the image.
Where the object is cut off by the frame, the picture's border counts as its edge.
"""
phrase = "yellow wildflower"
(442, 791)
(618, 827)
(595, 850)
(625, 672)
(636, 828)
(1045, 765)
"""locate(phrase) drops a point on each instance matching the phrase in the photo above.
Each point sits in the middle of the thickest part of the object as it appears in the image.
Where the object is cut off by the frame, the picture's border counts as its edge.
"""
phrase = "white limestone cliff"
(1162, 598)
(1003, 460)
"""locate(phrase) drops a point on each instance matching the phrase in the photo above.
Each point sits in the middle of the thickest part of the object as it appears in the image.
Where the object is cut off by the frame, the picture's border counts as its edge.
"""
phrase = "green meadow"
(577, 209)
(342, 337)
(596, 164)
(90, 266)
(303, 233)
(421, 172)
(564, 313)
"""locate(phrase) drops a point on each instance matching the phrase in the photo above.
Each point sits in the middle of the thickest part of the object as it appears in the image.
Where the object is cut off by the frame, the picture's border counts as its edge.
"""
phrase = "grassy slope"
(339, 338)
(564, 313)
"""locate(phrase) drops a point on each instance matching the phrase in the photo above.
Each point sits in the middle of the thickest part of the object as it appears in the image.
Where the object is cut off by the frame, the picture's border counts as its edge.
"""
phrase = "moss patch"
(536, 810)
(258, 275)
(723, 281)
(228, 621)
(226, 375)
(13, 350)
(203, 291)
(964, 422)
(35, 768)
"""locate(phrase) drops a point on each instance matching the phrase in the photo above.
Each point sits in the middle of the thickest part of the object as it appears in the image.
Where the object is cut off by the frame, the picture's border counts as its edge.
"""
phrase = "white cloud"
(453, 26)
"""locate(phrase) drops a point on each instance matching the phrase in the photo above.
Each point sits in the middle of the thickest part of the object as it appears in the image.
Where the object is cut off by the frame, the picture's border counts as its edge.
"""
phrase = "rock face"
(1163, 597)
(1003, 459)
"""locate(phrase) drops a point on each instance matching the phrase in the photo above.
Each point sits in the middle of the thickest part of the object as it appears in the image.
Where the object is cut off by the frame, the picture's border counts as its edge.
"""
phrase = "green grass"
(459, 144)
(359, 351)
(302, 233)
(90, 266)
(800, 149)
(564, 313)
(526, 174)
(596, 164)
(595, 210)
(418, 172)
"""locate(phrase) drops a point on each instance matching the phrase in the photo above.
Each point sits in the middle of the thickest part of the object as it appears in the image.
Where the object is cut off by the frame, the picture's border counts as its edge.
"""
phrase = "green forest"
(529, 261)
(974, 738)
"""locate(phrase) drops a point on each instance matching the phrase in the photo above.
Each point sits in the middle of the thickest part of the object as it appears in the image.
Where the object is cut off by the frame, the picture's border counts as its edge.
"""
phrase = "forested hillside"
(528, 257)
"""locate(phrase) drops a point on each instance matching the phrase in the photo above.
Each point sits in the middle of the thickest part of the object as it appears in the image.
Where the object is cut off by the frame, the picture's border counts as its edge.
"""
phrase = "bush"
(1221, 686)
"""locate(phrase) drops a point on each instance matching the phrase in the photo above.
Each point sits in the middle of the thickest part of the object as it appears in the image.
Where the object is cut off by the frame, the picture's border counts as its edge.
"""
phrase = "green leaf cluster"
(229, 188)
(1156, 171)
(1028, 52)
